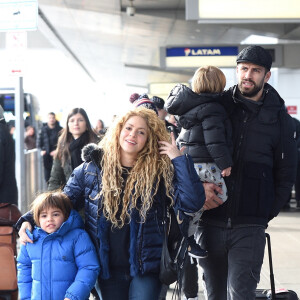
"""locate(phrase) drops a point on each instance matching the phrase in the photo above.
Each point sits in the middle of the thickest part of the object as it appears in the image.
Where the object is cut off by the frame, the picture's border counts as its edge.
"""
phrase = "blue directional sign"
(199, 56)
(202, 51)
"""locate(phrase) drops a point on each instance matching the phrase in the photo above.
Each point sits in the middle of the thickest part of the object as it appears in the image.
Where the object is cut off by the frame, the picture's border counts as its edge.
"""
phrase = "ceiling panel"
(113, 46)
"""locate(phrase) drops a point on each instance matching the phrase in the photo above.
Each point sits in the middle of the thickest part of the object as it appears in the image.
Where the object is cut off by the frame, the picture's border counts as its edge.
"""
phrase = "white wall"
(60, 85)
(287, 83)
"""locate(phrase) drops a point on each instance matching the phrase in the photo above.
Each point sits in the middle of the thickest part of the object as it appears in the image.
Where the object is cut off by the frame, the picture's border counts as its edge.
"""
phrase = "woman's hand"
(24, 238)
(169, 149)
(212, 200)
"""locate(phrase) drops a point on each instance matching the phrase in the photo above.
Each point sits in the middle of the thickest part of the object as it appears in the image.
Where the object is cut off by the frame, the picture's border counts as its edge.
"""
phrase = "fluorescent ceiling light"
(259, 40)
(198, 61)
(162, 88)
(254, 9)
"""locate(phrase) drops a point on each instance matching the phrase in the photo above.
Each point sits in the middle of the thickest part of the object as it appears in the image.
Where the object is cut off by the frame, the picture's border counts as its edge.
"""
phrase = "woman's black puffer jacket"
(206, 130)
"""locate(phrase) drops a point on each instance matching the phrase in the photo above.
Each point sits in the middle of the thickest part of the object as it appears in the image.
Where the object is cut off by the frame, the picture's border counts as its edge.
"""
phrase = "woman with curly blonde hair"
(123, 185)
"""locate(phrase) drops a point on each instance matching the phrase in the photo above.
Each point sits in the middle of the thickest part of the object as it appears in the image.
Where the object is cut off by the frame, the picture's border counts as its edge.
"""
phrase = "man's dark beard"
(252, 93)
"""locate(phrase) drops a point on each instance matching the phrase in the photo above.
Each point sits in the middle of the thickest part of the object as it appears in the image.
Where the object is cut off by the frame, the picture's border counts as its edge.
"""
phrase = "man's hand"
(212, 200)
(43, 152)
(24, 238)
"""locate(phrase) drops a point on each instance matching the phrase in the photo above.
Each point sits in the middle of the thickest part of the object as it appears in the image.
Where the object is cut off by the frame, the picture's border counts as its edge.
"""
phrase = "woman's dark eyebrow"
(133, 126)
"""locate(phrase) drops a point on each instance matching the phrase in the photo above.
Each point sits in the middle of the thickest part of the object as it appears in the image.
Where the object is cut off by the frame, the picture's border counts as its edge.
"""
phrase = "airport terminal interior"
(59, 54)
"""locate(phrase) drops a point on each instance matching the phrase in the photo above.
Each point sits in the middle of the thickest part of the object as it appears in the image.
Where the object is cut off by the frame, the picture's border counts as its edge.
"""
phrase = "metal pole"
(19, 140)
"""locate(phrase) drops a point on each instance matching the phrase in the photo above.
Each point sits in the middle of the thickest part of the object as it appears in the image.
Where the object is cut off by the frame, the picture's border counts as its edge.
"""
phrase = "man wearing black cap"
(263, 173)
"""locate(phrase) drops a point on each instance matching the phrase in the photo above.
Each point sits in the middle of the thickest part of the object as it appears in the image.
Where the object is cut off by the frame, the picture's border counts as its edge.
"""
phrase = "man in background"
(8, 185)
(47, 141)
(162, 114)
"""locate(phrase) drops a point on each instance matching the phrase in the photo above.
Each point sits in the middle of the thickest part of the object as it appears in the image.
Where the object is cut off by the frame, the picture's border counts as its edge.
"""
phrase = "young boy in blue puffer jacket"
(62, 262)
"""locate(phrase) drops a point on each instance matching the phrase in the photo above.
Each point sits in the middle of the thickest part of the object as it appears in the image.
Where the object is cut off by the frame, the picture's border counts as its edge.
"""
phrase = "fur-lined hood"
(91, 152)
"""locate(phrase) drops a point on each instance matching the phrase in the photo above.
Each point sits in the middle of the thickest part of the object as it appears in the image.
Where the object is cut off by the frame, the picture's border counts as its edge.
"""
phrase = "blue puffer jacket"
(145, 238)
(63, 264)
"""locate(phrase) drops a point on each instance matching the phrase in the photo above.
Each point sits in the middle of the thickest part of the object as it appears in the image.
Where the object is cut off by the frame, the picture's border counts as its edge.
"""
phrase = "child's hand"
(226, 172)
(67, 299)
(169, 149)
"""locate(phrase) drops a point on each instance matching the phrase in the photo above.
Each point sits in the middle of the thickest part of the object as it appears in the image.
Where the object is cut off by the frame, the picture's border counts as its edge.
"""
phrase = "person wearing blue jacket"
(62, 262)
(123, 186)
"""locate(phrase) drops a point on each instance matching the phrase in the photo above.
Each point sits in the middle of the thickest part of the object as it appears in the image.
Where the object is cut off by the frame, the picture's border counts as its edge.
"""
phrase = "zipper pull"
(229, 223)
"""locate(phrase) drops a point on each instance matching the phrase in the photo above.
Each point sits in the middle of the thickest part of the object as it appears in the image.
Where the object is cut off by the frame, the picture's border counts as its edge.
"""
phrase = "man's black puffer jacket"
(46, 141)
(206, 129)
(264, 159)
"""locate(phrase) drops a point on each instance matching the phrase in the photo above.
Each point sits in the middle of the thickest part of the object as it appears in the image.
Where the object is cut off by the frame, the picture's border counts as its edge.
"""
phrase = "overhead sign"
(254, 9)
(200, 56)
(16, 45)
(220, 11)
(18, 15)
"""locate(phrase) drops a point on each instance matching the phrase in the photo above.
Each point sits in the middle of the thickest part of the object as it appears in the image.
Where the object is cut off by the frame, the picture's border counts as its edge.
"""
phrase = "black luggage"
(281, 294)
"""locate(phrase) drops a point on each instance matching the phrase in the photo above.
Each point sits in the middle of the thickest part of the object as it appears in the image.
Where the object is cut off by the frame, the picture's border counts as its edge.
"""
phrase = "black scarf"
(75, 149)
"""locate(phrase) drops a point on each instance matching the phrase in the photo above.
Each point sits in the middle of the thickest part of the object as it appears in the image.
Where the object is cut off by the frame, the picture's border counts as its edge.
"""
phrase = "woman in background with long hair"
(76, 134)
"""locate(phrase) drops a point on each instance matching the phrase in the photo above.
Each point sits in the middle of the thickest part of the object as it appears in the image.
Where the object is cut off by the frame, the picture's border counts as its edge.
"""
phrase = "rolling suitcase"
(9, 214)
(8, 275)
(273, 294)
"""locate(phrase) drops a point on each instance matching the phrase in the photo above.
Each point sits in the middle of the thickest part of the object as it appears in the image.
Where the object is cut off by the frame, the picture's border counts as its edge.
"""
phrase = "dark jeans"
(48, 161)
(122, 286)
(235, 256)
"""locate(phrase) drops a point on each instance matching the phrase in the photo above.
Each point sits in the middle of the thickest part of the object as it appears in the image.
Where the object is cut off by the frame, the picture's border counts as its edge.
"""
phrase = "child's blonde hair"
(208, 79)
(49, 200)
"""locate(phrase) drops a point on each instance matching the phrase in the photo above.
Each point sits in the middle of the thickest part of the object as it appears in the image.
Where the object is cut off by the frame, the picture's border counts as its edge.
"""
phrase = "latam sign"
(199, 56)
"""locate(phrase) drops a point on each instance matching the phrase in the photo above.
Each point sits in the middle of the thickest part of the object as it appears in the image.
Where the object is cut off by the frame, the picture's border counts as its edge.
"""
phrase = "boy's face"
(51, 219)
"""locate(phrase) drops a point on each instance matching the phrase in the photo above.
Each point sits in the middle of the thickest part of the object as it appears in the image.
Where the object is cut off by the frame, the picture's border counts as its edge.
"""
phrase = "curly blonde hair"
(150, 169)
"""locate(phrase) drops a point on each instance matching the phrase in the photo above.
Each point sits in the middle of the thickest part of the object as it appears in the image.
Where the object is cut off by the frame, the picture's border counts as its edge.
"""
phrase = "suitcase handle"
(271, 266)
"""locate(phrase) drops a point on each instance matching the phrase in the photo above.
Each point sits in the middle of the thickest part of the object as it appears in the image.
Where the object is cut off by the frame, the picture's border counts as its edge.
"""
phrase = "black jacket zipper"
(233, 205)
